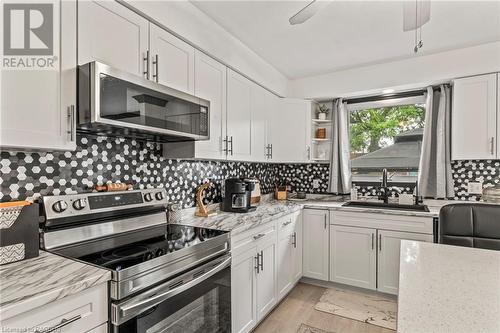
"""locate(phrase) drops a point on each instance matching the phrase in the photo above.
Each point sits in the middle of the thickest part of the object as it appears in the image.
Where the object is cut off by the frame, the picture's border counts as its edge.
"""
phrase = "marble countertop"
(445, 288)
(27, 284)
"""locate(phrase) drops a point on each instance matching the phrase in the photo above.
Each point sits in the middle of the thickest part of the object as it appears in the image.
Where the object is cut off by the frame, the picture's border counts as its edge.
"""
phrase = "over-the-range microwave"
(116, 103)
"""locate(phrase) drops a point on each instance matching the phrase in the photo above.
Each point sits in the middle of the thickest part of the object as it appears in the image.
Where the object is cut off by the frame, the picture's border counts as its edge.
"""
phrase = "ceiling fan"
(415, 14)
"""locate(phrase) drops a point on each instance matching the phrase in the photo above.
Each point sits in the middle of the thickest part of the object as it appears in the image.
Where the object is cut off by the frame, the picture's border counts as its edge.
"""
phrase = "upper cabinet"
(263, 104)
(475, 115)
(210, 84)
(239, 117)
(172, 60)
(112, 34)
(288, 135)
(38, 105)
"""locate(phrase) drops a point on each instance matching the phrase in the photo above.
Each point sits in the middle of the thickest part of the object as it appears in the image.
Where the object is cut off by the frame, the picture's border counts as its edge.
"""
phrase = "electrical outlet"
(315, 183)
(475, 188)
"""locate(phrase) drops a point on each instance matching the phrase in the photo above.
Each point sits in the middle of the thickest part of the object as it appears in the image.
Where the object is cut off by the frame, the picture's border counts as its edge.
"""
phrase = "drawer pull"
(294, 240)
(63, 323)
(259, 236)
(287, 223)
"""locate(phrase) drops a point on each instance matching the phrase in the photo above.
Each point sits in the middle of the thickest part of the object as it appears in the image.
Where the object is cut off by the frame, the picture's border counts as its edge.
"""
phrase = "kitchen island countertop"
(28, 284)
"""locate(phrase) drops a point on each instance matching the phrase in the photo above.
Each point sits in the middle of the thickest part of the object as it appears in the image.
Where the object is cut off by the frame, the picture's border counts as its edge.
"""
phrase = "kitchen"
(178, 166)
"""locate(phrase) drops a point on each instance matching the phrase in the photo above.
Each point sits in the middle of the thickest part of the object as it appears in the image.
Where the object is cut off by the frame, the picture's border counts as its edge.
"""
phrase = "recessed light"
(388, 91)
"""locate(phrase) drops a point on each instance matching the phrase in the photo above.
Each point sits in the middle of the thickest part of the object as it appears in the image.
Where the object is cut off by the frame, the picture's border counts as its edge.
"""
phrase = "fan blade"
(307, 12)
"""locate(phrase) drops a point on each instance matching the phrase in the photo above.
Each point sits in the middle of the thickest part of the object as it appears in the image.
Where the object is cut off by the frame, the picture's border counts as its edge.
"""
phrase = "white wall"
(410, 73)
(188, 22)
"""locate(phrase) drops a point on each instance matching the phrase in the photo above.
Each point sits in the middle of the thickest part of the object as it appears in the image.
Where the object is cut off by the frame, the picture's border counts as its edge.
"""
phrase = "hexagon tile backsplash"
(99, 160)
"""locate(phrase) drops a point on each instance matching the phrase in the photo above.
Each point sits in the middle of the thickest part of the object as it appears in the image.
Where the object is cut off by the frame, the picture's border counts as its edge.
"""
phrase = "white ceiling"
(348, 34)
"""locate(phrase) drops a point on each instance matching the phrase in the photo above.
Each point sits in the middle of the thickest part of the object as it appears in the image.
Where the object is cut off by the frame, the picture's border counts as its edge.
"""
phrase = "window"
(386, 134)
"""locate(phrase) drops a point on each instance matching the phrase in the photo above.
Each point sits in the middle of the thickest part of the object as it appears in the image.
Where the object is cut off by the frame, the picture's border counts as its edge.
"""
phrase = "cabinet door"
(353, 256)
(289, 127)
(474, 118)
(37, 106)
(172, 60)
(315, 245)
(266, 278)
(297, 248)
(239, 116)
(285, 264)
(243, 291)
(261, 108)
(210, 84)
(388, 244)
(110, 33)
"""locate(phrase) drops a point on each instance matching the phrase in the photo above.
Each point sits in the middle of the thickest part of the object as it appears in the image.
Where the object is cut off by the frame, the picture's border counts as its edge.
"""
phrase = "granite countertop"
(445, 288)
(266, 211)
(27, 284)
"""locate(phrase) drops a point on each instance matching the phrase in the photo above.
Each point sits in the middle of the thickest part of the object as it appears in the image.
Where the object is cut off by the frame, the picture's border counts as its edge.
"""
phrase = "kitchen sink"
(381, 205)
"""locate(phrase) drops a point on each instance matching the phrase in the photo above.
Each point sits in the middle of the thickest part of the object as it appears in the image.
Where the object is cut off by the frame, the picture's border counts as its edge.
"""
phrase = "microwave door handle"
(142, 305)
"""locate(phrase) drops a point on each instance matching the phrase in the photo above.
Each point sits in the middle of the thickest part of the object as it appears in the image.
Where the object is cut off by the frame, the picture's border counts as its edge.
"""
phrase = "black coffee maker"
(236, 196)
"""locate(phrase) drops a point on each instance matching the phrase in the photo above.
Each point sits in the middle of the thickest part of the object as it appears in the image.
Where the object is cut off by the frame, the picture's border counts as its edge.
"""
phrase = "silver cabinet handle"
(146, 66)
(261, 260)
(325, 221)
(226, 146)
(373, 241)
(231, 142)
(271, 146)
(258, 236)
(492, 145)
(155, 63)
(287, 223)
(72, 123)
(63, 323)
(380, 242)
(294, 240)
(257, 267)
(308, 152)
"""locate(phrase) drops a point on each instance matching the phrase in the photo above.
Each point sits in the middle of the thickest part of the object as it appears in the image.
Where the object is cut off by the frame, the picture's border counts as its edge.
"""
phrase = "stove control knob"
(148, 256)
(148, 197)
(59, 206)
(159, 252)
(159, 196)
(79, 204)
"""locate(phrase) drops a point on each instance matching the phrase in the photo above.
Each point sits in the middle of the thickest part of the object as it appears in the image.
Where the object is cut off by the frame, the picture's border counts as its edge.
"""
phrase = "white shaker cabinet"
(263, 104)
(266, 277)
(172, 60)
(244, 291)
(288, 135)
(388, 247)
(239, 117)
(38, 106)
(110, 33)
(474, 118)
(289, 252)
(353, 256)
(297, 242)
(210, 84)
(315, 227)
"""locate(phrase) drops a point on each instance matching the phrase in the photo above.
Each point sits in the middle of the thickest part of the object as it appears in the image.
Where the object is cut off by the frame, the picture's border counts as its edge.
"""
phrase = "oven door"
(197, 301)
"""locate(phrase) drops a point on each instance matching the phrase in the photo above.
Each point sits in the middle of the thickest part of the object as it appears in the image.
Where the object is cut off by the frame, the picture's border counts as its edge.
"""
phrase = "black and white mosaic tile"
(101, 160)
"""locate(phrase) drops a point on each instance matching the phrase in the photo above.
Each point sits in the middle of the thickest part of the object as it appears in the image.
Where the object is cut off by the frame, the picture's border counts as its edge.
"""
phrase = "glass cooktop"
(176, 237)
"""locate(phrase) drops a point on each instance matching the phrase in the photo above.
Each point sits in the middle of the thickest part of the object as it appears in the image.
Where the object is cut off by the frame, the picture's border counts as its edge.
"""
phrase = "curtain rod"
(403, 94)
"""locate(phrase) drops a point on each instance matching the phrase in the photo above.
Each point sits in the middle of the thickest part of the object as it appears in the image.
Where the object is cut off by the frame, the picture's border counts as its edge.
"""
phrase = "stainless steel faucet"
(384, 195)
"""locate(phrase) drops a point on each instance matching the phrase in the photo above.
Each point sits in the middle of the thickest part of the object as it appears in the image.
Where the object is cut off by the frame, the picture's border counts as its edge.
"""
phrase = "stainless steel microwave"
(116, 103)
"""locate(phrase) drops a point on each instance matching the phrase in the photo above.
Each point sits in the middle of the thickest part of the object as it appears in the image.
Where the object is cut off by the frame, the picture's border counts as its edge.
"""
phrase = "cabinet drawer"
(241, 243)
(418, 224)
(76, 313)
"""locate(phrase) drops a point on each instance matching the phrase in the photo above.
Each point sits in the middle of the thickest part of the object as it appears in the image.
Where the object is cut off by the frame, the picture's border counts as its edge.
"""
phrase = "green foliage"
(372, 129)
(322, 108)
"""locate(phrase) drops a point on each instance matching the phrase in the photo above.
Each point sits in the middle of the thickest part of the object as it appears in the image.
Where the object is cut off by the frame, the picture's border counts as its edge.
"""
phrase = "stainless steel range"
(165, 277)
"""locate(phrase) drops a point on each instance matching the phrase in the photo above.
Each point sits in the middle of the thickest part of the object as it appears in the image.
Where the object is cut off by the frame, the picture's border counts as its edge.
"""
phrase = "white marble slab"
(445, 288)
(31, 283)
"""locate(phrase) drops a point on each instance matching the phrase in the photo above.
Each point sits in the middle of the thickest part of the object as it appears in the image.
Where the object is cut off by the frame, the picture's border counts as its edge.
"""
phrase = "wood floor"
(298, 307)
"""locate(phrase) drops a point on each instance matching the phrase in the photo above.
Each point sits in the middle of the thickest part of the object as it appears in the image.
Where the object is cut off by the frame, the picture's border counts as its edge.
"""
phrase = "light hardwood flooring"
(298, 307)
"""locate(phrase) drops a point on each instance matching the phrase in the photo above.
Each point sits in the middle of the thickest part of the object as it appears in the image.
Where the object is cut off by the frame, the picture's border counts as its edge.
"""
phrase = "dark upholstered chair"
(471, 225)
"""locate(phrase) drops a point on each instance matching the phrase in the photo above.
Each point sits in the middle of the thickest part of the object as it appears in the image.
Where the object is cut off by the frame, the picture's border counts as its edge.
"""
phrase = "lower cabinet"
(289, 253)
(353, 256)
(368, 257)
(266, 277)
(315, 243)
(388, 247)
(243, 291)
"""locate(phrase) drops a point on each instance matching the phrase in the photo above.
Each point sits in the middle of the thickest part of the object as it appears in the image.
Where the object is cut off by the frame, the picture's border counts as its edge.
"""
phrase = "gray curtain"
(435, 178)
(340, 164)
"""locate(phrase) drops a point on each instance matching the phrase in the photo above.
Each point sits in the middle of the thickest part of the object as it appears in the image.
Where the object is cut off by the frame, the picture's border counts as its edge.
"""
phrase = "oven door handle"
(128, 310)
